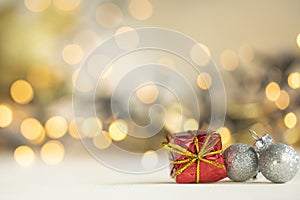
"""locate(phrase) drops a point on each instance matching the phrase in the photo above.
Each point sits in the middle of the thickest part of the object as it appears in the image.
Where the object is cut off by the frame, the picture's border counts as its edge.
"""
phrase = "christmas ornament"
(241, 162)
(278, 162)
(196, 156)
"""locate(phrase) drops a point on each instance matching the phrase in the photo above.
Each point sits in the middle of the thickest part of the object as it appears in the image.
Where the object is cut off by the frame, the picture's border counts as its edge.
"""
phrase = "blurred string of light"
(111, 16)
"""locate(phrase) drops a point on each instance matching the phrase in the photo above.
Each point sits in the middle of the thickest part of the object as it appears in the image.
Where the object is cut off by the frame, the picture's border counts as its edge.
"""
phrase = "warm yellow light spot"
(109, 15)
(6, 116)
(52, 152)
(149, 160)
(283, 100)
(229, 60)
(290, 120)
(21, 92)
(140, 9)
(204, 81)
(147, 93)
(200, 54)
(298, 40)
(73, 130)
(294, 80)
(66, 5)
(291, 136)
(246, 53)
(272, 91)
(190, 124)
(31, 129)
(24, 156)
(173, 121)
(118, 130)
(40, 139)
(166, 61)
(56, 127)
(225, 134)
(102, 141)
(72, 54)
(128, 40)
(37, 5)
(91, 127)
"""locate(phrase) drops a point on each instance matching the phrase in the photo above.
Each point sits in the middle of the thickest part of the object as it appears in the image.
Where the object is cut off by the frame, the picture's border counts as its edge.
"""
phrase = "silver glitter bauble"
(241, 162)
(279, 163)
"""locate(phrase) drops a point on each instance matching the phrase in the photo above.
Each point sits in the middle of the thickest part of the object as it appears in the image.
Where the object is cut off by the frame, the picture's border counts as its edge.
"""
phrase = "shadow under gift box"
(196, 156)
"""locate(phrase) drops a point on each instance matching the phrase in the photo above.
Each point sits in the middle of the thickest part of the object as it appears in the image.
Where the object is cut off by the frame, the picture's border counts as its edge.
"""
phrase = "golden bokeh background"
(255, 44)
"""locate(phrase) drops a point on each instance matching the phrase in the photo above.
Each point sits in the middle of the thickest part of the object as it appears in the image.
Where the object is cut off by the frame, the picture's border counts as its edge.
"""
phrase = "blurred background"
(255, 45)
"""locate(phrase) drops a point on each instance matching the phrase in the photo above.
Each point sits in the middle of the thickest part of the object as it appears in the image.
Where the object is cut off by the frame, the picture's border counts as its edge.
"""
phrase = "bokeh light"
(225, 134)
(272, 91)
(298, 40)
(147, 93)
(246, 53)
(109, 15)
(294, 80)
(140, 9)
(229, 60)
(128, 40)
(66, 5)
(73, 130)
(204, 81)
(190, 124)
(283, 100)
(290, 120)
(72, 54)
(37, 5)
(291, 136)
(173, 121)
(21, 92)
(167, 61)
(102, 140)
(200, 54)
(24, 156)
(149, 160)
(56, 127)
(52, 152)
(118, 130)
(31, 129)
(6, 116)
(91, 127)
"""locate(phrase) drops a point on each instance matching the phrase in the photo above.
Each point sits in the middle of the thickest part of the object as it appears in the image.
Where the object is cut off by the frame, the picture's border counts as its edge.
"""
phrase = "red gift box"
(196, 156)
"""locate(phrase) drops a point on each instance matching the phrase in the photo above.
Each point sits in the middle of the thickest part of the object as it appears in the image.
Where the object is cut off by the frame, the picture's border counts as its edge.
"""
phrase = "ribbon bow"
(198, 157)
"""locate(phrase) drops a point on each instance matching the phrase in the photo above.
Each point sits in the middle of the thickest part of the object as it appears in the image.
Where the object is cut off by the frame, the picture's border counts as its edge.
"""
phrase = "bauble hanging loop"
(278, 162)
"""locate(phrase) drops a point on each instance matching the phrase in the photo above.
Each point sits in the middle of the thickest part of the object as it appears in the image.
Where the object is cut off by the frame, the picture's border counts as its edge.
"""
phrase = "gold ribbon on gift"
(198, 157)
